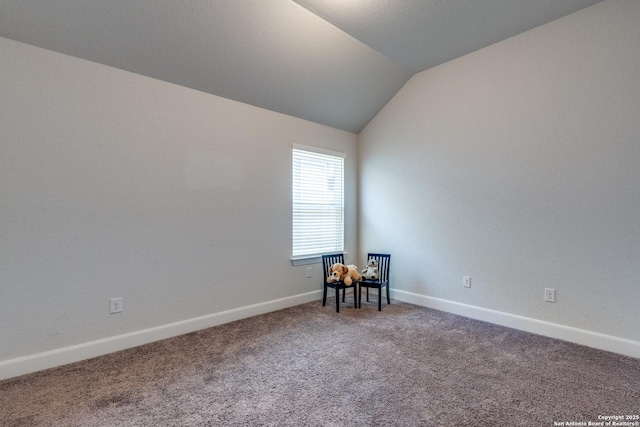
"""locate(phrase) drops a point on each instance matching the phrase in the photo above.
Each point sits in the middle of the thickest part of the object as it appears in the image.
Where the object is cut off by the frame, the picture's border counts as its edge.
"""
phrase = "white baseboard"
(540, 327)
(50, 359)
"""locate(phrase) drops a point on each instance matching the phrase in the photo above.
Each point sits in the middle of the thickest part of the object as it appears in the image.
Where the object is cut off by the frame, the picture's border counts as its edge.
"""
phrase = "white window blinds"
(318, 202)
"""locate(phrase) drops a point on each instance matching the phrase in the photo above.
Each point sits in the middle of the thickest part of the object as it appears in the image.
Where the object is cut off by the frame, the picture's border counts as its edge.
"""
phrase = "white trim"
(319, 150)
(314, 259)
(553, 330)
(49, 359)
(62, 356)
(306, 260)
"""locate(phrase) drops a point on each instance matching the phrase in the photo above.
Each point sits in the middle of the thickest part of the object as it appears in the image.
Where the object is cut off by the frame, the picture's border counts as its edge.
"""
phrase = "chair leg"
(379, 298)
(324, 296)
(367, 294)
(388, 299)
(359, 296)
(355, 293)
(337, 300)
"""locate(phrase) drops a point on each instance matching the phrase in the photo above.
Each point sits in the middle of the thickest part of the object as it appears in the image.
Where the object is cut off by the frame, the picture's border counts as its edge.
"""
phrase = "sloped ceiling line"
(334, 62)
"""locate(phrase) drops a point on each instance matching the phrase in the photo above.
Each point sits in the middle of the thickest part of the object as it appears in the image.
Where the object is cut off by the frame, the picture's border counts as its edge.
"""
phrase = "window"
(318, 202)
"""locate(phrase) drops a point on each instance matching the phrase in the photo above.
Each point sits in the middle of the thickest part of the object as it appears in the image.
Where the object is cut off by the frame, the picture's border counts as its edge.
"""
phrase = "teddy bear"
(346, 273)
(371, 272)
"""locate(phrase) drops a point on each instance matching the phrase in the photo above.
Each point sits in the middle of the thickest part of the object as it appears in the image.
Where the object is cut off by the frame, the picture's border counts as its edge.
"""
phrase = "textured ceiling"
(337, 66)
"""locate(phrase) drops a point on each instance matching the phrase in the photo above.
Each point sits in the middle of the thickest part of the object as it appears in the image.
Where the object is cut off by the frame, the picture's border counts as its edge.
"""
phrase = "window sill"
(312, 259)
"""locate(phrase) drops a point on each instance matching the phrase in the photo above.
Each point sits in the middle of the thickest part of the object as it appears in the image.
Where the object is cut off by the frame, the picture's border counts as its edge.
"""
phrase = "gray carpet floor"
(310, 366)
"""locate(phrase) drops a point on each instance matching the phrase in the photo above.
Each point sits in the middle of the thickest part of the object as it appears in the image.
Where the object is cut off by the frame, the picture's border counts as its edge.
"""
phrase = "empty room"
(319, 213)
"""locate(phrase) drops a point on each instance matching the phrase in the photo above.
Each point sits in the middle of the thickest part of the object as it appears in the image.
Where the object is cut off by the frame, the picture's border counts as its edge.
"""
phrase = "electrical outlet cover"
(116, 305)
(466, 281)
(549, 295)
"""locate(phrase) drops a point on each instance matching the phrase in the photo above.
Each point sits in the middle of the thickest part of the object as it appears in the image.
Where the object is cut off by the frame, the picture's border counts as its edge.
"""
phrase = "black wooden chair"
(327, 262)
(379, 283)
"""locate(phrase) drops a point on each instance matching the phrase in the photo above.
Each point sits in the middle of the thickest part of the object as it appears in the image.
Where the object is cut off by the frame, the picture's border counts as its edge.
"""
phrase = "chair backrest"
(328, 261)
(383, 265)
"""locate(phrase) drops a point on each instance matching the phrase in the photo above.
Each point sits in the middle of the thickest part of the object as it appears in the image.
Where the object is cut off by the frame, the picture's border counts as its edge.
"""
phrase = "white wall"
(518, 165)
(114, 184)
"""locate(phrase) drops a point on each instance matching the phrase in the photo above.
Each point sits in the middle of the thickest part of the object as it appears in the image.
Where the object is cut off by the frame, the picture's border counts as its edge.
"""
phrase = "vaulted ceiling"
(334, 62)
